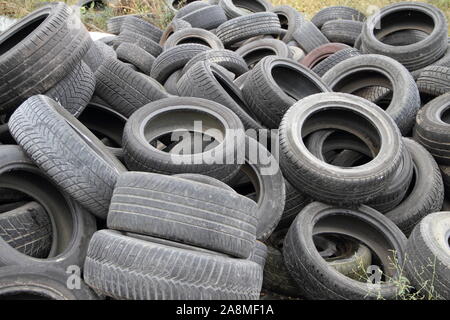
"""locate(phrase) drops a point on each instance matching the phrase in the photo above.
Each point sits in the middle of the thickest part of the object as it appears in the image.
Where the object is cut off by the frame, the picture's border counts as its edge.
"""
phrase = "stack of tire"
(101, 169)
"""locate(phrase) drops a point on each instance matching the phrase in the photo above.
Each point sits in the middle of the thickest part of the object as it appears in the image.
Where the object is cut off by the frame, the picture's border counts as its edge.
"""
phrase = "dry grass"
(96, 19)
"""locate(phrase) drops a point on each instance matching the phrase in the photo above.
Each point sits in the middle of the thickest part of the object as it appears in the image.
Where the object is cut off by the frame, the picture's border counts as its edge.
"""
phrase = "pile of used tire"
(96, 195)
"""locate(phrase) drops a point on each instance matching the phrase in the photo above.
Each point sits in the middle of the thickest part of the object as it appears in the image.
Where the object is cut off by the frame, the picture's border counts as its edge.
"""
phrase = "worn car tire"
(316, 280)
(195, 278)
(52, 40)
(140, 155)
(403, 16)
(333, 184)
(125, 89)
(184, 211)
(66, 152)
(272, 86)
(173, 59)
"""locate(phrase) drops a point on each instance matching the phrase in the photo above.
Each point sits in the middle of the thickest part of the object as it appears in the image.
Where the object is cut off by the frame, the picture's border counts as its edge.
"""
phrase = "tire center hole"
(185, 131)
(401, 21)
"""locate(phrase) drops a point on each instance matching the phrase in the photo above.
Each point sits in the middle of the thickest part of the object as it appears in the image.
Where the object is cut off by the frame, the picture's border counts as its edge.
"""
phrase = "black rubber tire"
(205, 80)
(194, 35)
(269, 95)
(51, 46)
(254, 51)
(184, 211)
(428, 259)
(316, 280)
(342, 31)
(145, 43)
(98, 53)
(309, 37)
(269, 185)
(173, 59)
(171, 83)
(34, 282)
(233, 8)
(376, 70)
(72, 226)
(190, 7)
(140, 26)
(337, 13)
(27, 228)
(249, 26)
(324, 66)
(207, 18)
(228, 59)
(290, 20)
(131, 53)
(141, 156)
(106, 124)
(174, 26)
(108, 261)
(434, 81)
(66, 152)
(124, 89)
(426, 195)
(341, 186)
(432, 128)
(404, 16)
(74, 91)
(259, 254)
